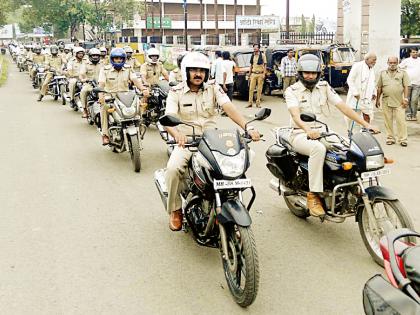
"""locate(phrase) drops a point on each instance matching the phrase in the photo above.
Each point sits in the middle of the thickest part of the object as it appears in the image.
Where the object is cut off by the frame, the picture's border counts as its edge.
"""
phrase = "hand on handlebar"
(181, 139)
(313, 134)
(373, 129)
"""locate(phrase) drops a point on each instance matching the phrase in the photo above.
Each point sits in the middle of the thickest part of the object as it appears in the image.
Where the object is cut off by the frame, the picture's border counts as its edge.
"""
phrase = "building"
(205, 21)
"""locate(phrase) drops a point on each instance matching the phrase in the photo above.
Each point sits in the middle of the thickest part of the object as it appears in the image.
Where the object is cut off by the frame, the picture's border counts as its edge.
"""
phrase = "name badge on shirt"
(187, 105)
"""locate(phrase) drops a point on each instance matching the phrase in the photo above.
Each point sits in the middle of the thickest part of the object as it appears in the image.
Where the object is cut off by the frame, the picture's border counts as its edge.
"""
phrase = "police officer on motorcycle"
(37, 59)
(176, 75)
(53, 63)
(73, 70)
(133, 62)
(310, 95)
(104, 56)
(115, 78)
(153, 68)
(195, 102)
(89, 72)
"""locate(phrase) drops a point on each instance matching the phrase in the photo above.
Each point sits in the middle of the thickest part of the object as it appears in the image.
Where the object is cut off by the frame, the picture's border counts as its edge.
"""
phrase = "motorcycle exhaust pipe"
(159, 177)
(275, 185)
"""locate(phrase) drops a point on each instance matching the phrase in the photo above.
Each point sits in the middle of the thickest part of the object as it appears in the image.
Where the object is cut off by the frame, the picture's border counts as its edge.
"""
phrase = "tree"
(303, 25)
(410, 16)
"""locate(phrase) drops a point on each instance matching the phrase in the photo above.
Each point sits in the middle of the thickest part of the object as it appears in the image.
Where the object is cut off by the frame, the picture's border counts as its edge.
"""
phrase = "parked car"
(405, 49)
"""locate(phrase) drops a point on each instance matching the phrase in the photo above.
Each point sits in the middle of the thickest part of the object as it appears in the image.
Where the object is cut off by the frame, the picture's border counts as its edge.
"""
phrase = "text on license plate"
(344, 71)
(228, 184)
(384, 171)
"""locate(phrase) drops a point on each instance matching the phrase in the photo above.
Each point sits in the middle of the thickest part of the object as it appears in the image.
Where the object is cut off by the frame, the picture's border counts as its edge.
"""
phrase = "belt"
(257, 72)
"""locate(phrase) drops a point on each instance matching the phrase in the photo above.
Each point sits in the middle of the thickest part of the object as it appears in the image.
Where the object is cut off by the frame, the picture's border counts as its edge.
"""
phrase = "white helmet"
(128, 49)
(94, 51)
(195, 60)
(78, 49)
(153, 52)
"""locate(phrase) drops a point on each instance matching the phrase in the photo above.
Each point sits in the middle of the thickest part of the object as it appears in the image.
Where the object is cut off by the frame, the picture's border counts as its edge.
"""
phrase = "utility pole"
(185, 25)
(201, 16)
(145, 18)
(160, 21)
(259, 14)
(153, 19)
(216, 20)
(235, 3)
(287, 20)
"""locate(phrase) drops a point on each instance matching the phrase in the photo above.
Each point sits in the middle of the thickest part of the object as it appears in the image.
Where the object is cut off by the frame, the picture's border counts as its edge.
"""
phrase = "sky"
(321, 8)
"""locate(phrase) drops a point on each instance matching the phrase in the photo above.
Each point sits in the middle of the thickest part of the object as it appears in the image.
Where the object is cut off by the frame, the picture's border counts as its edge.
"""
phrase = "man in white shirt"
(228, 66)
(412, 66)
(217, 69)
(362, 89)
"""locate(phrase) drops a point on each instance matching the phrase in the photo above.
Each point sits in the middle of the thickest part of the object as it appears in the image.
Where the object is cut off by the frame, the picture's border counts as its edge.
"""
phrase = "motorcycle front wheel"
(135, 153)
(389, 215)
(241, 266)
(62, 91)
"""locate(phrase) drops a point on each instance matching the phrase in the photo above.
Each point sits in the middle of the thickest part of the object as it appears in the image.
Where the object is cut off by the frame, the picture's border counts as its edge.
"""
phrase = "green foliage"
(410, 16)
(303, 26)
(4, 70)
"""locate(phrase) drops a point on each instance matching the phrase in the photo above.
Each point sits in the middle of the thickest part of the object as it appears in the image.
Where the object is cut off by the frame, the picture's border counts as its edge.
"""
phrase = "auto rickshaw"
(338, 60)
(273, 79)
(242, 58)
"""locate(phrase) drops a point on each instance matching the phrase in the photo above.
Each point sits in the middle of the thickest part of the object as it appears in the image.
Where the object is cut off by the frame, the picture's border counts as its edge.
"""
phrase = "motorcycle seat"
(411, 259)
(126, 98)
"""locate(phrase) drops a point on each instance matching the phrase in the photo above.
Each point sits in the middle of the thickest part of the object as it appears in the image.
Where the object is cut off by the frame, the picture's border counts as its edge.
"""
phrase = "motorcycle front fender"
(234, 211)
(131, 130)
(381, 193)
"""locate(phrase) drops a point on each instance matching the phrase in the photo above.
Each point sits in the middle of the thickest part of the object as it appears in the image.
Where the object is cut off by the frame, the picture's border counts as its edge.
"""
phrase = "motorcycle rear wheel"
(370, 239)
(241, 268)
(135, 153)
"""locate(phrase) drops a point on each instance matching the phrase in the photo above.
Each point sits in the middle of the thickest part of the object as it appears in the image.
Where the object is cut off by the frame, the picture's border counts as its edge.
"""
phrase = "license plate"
(344, 71)
(373, 174)
(229, 184)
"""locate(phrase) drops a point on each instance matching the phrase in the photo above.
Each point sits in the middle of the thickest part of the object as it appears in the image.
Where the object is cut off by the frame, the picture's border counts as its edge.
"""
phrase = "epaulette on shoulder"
(107, 67)
(178, 87)
(127, 65)
(322, 83)
(211, 82)
(294, 87)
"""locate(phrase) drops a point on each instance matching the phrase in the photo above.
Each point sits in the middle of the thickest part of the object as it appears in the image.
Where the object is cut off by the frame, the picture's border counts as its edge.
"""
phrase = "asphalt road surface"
(81, 233)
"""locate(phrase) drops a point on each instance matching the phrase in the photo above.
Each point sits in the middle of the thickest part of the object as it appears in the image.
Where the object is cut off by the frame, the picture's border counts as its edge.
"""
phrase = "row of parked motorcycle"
(214, 207)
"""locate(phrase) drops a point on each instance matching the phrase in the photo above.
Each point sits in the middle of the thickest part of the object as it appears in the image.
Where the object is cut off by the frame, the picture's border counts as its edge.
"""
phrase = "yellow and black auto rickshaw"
(242, 58)
(338, 60)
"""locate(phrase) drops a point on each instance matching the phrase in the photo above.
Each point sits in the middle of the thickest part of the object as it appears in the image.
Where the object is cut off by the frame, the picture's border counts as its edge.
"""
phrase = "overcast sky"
(321, 8)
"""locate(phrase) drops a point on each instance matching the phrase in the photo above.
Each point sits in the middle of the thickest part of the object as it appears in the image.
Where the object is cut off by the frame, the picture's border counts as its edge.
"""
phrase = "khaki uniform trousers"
(175, 170)
(104, 119)
(397, 114)
(72, 87)
(288, 81)
(48, 77)
(316, 152)
(256, 79)
(86, 89)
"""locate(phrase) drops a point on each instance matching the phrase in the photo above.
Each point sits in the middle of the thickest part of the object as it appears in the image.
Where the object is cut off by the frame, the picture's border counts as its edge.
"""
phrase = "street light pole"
(185, 25)
(287, 20)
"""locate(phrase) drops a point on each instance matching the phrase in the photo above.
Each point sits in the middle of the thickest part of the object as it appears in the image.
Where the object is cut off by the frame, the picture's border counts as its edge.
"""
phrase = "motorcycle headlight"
(231, 166)
(374, 162)
(129, 111)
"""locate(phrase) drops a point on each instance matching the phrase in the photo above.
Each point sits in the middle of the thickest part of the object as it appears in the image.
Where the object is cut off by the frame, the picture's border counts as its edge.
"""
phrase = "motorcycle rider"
(37, 59)
(153, 68)
(104, 57)
(115, 78)
(133, 62)
(53, 62)
(176, 75)
(313, 96)
(67, 54)
(88, 72)
(73, 70)
(194, 101)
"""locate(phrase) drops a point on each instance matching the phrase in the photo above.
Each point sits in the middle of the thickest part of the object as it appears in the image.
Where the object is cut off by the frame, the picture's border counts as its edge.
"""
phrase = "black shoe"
(40, 98)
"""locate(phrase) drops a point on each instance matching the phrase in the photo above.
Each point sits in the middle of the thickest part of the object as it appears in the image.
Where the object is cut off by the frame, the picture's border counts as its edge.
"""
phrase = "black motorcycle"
(93, 107)
(57, 86)
(351, 185)
(156, 103)
(213, 205)
(39, 76)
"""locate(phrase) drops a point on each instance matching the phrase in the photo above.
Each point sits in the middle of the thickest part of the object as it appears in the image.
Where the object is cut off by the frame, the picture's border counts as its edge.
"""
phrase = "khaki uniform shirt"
(73, 67)
(105, 61)
(256, 68)
(175, 75)
(316, 101)
(28, 55)
(114, 80)
(38, 59)
(151, 72)
(91, 70)
(54, 62)
(195, 108)
(392, 86)
(134, 63)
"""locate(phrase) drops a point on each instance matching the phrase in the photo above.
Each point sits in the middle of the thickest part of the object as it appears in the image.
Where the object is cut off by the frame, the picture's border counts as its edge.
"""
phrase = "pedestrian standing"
(412, 66)
(256, 75)
(216, 69)
(228, 65)
(393, 86)
(288, 68)
(362, 89)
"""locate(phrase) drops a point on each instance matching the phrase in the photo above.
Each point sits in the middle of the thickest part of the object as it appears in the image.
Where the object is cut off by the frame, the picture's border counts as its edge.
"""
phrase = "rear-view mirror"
(263, 114)
(308, 117)
(169, 121)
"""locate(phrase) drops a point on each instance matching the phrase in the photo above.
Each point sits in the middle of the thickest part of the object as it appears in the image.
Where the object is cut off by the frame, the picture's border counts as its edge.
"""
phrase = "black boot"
(40, 98)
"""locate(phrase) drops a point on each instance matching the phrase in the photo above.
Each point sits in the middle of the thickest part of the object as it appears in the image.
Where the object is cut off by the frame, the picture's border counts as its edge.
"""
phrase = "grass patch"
(4, 65)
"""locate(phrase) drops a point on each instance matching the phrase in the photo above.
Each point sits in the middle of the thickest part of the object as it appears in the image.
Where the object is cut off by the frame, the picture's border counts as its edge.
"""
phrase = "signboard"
(267, 22)
(166, 22)
(6, 32)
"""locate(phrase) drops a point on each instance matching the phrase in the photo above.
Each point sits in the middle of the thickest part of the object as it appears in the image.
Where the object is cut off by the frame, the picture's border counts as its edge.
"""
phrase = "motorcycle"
(213, 206)
(57, 86)
(93, 107)
(38, 77)
(3, 50)
(124, 125)
(76, 105)
(21, 63)
(400, 294)
(156, 103)
(351, 183)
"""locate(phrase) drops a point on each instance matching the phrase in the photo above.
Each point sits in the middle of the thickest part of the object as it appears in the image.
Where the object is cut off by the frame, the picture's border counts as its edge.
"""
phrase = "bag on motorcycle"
(280, 162)
(380, 297)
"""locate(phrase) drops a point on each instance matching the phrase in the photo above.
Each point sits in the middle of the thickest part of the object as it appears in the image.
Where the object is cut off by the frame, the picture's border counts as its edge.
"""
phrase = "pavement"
(81, 233)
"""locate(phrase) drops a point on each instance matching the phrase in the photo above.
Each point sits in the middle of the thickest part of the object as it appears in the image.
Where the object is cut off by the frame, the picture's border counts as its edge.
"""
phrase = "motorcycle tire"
(242, 253)
(135, 153)
(372, 245)
(62, 91)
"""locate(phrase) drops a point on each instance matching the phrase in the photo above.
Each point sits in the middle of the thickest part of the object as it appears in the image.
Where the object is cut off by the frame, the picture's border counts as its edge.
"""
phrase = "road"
(81, 233)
